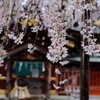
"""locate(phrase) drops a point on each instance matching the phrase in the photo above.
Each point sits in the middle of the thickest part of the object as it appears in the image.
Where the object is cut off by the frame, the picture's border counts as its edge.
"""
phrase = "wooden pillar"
(8, 81)
(84, 77)
(48, 80)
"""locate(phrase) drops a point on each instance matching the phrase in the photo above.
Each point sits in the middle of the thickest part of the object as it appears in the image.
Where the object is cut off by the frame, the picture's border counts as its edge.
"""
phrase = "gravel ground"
(61, 97)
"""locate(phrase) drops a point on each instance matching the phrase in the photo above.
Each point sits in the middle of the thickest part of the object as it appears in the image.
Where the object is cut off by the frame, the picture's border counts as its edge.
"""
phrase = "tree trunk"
(8, 84)
(48, 80)
(84, 78)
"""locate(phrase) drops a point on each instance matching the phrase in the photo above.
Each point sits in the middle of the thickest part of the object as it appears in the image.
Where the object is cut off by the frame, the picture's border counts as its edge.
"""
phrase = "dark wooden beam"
(14, 51)
(71, 38)
(43, 51)
(21, 48)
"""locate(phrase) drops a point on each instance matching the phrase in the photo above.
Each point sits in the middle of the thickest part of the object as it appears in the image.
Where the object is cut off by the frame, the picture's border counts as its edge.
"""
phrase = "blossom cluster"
(53, 20)
(17, 39)
(31, 48)
(89, 42)
(57, 20)
(85, 13)
(56, 16)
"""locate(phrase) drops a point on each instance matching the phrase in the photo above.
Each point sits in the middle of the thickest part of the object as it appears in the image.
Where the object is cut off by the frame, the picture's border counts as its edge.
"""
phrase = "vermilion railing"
(73, 83)
(94, 82)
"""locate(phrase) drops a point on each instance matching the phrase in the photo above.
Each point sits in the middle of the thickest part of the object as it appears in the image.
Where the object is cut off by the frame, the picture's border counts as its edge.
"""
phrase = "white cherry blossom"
(1, 62)
(56, 87)
(57, 71)
(62, 82)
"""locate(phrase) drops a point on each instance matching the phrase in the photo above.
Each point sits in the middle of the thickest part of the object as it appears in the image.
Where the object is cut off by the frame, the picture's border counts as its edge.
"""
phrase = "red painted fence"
(73, 83)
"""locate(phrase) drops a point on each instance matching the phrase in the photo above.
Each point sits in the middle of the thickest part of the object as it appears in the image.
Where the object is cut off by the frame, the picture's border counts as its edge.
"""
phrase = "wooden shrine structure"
(71, 71)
